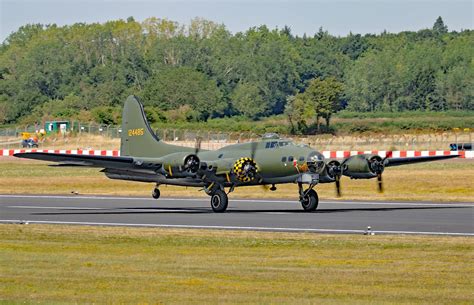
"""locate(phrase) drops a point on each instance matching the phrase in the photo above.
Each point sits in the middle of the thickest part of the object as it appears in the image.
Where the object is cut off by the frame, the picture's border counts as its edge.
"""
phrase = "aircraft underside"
(219, 199)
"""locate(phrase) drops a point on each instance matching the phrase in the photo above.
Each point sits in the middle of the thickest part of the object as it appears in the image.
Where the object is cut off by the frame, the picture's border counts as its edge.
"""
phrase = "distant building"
(57, 126)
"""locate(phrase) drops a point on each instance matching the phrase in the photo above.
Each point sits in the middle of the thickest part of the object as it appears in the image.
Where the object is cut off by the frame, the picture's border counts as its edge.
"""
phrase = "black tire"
(156, 193)
(310, 201)
(219, 201)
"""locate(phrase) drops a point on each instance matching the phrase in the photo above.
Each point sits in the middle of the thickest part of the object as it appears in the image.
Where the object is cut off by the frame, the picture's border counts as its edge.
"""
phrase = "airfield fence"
(94, 136)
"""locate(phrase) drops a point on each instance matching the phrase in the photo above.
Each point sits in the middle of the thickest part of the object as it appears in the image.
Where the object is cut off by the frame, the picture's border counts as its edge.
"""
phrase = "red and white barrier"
(110, 153)
(327, 154)
(399, 153)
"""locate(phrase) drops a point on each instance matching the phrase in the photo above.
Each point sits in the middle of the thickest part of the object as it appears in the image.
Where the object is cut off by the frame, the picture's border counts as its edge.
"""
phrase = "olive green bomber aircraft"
(271, 161)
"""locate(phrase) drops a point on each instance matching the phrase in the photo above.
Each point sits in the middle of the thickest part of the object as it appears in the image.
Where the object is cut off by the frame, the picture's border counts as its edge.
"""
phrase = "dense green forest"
(195, 72)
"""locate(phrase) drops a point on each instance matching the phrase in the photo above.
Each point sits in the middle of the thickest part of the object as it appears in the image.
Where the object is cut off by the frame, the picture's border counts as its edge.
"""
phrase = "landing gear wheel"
(310, 201)
(156, 193)
(219, 201)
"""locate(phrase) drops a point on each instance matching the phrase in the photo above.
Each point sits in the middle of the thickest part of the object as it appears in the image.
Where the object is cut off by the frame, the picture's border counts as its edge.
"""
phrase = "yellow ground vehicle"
(29, 140)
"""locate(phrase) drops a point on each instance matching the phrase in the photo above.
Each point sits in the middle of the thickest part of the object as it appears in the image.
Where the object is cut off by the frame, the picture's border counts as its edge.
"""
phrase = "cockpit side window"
(273, 144)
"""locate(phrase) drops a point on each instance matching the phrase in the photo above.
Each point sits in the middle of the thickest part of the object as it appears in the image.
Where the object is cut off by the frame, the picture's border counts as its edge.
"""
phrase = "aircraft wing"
(80, 160)
(411, 160)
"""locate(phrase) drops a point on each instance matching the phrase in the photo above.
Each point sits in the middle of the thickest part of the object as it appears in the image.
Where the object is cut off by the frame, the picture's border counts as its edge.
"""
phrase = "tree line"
(199, 71)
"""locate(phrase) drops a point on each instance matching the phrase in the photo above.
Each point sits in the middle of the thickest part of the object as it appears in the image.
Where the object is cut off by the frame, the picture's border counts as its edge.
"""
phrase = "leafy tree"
(175, 87)
(439, 27)
(354, 46)
(217, 73)
(247, 100)
(324, 95)
(456, 87)
(300, 111)
(320, 100)
(106, 115)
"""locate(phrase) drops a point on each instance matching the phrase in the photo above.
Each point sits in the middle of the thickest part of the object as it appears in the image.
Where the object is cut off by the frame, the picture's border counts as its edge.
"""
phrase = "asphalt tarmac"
(262, 215)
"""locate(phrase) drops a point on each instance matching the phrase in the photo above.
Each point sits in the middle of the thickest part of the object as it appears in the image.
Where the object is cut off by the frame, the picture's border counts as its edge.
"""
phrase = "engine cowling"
(181, 163)
(363, 166)
(315, 162)
(331, 170)
(245, 169)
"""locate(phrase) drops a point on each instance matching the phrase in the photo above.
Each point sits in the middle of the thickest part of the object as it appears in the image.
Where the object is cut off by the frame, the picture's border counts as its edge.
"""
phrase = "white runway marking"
(230, 227)
(43, 207)
(109, 209)
(461, 204)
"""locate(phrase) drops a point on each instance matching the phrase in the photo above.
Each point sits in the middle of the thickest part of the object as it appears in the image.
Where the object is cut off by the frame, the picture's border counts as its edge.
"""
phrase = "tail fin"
(137, 137)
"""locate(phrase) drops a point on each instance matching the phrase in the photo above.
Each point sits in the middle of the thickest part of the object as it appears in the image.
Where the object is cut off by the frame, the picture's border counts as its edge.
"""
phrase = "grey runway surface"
(266, 215)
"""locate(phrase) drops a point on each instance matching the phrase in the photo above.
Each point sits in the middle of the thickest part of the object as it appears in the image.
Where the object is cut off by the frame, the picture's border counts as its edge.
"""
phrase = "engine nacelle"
(363, 166)
(331, 170)
(245, 169)
(315, 162)
(180, 162)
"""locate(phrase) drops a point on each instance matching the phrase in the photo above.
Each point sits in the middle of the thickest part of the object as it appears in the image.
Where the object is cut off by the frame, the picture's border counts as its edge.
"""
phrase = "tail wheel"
(245, 169)
(156, 193)
(219, 201)
(310, 201)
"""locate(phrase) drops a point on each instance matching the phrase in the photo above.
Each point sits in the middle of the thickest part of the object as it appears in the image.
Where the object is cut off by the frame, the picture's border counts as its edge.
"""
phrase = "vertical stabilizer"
(137, 137)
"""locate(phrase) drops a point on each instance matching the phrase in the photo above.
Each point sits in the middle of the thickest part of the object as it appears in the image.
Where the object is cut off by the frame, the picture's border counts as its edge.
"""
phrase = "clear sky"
(339, 17)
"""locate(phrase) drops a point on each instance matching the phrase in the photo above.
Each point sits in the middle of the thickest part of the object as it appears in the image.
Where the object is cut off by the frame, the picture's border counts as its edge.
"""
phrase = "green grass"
(60, 264)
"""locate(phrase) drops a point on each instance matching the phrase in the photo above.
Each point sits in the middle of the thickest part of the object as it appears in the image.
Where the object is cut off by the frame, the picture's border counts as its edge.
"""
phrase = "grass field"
(437, 181)
(79, 264)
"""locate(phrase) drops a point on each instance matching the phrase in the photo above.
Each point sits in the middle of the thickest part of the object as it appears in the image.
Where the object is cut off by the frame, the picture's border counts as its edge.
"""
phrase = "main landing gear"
(308, 198)
(219, 199)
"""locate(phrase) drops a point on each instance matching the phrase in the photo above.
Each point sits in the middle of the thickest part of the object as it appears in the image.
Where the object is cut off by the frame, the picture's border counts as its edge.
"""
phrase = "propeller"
(334, 170)
(378, 165)
(191, 163)
(246, 168)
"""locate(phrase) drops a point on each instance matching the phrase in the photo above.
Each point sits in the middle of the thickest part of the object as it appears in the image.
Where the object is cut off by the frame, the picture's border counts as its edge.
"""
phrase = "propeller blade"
(338, 186)
(380, 183)
(253, 149)
(197, 146)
